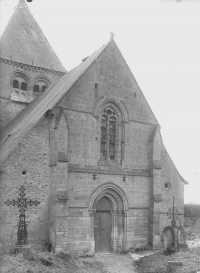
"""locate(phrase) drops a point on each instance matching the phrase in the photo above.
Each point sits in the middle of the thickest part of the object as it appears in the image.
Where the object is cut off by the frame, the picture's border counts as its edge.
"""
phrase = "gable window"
(108, 128)
(111, 116)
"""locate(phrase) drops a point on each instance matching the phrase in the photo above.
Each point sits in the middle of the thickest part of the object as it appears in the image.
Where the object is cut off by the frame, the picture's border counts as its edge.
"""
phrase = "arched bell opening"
(108, 210)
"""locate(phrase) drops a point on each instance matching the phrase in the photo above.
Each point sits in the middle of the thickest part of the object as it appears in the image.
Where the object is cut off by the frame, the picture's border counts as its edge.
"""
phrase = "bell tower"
(28, 64)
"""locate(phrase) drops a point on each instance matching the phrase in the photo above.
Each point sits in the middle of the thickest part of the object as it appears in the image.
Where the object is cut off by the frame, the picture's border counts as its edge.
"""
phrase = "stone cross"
(22, 203)
(173, 215)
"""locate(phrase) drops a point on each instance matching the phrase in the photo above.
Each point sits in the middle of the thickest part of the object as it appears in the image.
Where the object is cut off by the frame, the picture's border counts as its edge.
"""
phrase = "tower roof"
(23, 41)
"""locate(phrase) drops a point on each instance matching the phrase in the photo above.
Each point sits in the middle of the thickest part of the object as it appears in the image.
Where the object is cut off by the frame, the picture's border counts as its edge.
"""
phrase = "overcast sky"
(160, 41)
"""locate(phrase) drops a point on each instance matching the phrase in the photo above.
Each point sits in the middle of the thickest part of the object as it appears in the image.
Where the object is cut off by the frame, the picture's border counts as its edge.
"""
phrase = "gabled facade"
(89, 149)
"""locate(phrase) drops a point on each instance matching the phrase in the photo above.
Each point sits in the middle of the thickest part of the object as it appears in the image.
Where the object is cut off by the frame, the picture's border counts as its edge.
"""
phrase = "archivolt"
(113, 192)
(105, 100)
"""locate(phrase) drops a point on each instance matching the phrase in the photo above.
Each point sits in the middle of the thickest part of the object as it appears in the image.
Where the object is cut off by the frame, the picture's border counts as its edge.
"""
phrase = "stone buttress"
(58, 198)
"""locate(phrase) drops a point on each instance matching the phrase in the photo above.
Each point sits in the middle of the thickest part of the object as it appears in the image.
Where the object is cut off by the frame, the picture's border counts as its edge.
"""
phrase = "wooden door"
(103, 227)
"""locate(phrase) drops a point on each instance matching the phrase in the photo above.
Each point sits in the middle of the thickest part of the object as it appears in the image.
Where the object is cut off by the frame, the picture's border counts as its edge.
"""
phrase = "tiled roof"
(30, 116)
(23, 41)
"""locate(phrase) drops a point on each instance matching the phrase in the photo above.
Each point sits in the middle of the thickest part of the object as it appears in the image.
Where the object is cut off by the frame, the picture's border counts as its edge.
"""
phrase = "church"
(85, 144)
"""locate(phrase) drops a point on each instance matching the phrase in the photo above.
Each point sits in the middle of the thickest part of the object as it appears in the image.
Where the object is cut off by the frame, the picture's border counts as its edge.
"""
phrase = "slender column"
(107, 139)
(125, 225)
(91, 231)
(114, 230)
(123, 141)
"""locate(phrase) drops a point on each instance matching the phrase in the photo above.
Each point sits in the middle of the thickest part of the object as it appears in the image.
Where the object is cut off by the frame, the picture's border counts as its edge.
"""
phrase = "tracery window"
(112, 118)
(108, 134)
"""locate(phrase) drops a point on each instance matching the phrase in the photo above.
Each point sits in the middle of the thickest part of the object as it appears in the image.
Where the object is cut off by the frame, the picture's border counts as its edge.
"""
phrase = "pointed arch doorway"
(103, 225)
(108, 208)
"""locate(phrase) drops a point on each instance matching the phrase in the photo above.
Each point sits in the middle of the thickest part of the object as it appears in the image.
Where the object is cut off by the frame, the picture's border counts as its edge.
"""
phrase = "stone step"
(171, 264)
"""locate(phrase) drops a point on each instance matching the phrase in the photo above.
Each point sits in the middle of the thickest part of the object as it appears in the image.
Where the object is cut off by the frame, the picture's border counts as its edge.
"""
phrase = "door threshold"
(103, 253)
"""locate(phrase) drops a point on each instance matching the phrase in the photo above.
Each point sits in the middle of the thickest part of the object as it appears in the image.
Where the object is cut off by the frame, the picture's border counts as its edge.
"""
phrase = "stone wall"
(27, 166)
(64, 168)
(171, 186)
(109, 79)
(113, 80)
(80, 188)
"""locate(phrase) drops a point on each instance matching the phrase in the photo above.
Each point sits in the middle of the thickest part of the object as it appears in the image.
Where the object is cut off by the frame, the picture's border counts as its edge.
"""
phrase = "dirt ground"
(61, 263)
(138, 262)
(157, 262)
(115, 263)
(46, 262)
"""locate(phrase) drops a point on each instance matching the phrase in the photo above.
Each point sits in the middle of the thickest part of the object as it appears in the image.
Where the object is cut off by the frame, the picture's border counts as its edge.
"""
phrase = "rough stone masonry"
(85, 143)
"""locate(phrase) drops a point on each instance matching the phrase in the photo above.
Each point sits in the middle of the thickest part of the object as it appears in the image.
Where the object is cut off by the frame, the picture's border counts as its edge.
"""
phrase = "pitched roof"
(23, 41)
(180, 176)
(29, 117)
(157, 127)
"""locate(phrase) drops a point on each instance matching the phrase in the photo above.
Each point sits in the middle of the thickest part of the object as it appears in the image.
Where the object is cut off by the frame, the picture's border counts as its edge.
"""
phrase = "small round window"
(24, 173)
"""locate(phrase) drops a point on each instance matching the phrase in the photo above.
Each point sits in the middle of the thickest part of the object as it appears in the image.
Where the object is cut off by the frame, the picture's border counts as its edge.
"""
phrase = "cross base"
(24, 249)
(182, 246)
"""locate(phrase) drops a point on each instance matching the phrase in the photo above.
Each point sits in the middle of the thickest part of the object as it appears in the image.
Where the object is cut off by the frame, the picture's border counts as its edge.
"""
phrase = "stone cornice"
(31, 67)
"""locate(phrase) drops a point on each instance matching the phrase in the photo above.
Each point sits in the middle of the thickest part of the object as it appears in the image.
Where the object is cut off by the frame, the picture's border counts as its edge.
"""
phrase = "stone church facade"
(84, 143)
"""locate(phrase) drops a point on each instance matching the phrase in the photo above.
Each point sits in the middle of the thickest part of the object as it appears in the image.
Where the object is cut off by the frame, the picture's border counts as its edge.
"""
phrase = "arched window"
(36, 88)
(16, 84)
(111, 133)
(43, 88)
(20, 82)
(40, 86)
(112, 117)
(24, 86)
(108, 133)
